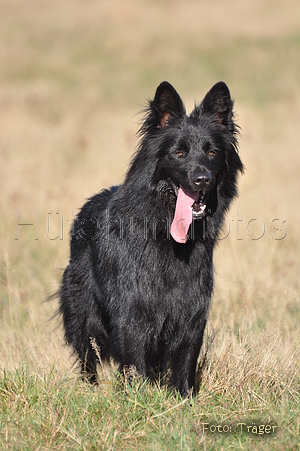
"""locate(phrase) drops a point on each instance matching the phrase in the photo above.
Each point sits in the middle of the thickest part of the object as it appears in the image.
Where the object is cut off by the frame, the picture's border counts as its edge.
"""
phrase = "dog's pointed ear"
(218, 103)
(166, 103)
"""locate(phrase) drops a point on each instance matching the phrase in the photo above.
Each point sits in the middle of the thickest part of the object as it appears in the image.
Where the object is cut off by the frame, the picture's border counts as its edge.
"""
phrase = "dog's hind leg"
(83, 322)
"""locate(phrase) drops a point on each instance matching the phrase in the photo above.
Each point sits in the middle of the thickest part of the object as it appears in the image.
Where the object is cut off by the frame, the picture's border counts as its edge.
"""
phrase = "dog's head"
(196, 155)
(192, 162)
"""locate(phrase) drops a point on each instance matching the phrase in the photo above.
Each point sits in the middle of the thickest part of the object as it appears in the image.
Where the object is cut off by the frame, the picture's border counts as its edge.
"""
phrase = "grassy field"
(73, 75)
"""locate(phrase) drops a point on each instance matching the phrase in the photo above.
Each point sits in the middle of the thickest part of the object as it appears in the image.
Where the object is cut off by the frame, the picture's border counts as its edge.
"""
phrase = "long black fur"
(134, 291)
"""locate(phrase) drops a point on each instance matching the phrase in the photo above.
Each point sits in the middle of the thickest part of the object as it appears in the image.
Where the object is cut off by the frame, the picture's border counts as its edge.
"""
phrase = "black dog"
(140, 277)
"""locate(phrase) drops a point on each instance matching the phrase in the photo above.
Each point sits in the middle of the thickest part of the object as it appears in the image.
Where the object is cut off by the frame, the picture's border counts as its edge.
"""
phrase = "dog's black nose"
(202, 178)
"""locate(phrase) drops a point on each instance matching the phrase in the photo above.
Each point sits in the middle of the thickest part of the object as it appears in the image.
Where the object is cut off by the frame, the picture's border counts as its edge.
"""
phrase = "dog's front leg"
(184, 362)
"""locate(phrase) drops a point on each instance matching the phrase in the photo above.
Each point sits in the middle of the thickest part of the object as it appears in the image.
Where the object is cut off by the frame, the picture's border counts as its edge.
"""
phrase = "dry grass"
(72, 76)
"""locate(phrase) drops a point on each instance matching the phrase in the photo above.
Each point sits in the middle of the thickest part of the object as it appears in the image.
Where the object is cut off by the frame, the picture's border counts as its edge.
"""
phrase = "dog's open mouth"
(189, 205)
(198, 207)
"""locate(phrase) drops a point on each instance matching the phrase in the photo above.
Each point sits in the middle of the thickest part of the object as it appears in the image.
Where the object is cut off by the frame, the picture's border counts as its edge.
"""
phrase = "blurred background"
(73, 75)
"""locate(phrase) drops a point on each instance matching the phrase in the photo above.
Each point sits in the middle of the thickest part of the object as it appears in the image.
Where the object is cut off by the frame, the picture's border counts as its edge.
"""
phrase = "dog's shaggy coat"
(140, 276)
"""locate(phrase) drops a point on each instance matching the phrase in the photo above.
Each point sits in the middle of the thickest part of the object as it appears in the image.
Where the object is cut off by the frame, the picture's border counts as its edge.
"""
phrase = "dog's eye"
(207, 147)
(180, 153)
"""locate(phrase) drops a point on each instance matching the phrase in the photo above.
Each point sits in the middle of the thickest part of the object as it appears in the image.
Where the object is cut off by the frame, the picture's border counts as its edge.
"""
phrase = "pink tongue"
(183, 215)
